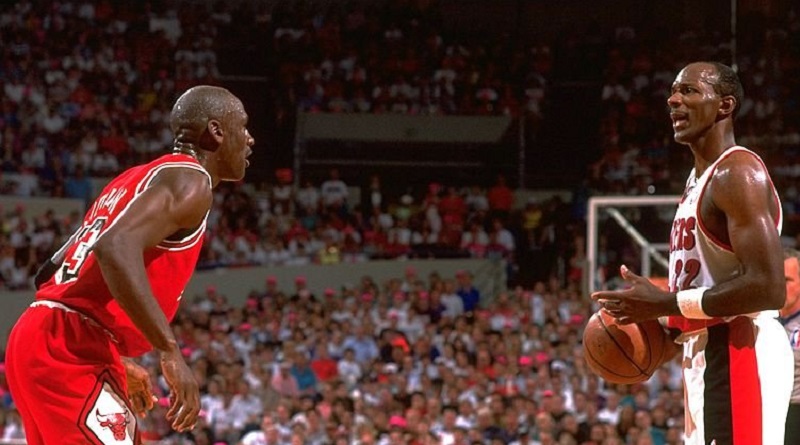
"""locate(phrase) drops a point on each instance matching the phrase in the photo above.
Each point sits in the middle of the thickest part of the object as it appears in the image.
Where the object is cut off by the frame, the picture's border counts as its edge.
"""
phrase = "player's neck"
(186, 150)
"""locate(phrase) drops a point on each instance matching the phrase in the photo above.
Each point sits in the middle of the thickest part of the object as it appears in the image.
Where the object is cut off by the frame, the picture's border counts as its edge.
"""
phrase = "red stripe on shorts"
(745, 384)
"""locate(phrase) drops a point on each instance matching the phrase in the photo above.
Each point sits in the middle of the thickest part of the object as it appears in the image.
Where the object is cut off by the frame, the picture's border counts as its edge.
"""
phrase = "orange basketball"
(624, 353)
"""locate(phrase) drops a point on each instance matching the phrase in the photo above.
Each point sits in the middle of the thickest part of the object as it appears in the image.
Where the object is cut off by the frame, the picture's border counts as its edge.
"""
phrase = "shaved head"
(195, 108)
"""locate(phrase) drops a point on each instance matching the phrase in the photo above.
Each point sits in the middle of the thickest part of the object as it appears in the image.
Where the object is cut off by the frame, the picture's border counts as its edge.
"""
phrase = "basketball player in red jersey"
(111, 291)
(726, 274)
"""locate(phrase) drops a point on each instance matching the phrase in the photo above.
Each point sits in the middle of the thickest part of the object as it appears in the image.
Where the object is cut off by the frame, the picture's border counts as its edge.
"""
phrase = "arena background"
(554, 155)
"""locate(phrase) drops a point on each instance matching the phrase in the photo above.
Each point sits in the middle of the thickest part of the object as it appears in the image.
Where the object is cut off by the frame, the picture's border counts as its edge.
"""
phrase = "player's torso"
(79, 283)
(697, 257)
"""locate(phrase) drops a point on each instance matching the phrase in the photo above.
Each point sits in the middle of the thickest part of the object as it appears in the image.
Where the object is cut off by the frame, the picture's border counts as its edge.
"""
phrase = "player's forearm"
(744, 295)
(122, 267)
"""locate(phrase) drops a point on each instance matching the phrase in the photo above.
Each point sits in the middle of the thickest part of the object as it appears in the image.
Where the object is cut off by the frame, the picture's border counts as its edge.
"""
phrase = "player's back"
(79, 283)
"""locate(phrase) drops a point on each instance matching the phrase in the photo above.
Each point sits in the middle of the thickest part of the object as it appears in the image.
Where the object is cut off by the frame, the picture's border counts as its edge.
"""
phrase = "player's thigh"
(68, 380)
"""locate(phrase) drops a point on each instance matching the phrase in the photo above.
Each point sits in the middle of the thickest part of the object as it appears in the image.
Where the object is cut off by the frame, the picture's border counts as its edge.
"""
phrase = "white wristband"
(690, 303)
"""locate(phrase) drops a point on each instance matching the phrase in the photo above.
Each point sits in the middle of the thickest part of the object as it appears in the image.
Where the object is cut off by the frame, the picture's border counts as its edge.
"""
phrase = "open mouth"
(679, 120)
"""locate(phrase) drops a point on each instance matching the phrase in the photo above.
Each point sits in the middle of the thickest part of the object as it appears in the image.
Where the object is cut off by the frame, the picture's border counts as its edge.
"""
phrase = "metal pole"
(733, 36)
(297, 151)
(522, 146)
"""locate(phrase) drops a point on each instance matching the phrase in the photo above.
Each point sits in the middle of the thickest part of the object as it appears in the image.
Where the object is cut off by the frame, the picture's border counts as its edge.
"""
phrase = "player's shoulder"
(739, 164)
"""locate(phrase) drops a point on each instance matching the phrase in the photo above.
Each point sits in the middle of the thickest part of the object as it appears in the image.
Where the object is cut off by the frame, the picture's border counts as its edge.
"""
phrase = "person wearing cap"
(271, 290)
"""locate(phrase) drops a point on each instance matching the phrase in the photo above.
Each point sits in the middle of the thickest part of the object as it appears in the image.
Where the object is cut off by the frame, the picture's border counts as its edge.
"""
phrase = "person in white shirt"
(334, 191)
(267, 435)
(454, 305)
(349, 369)
(610, 413)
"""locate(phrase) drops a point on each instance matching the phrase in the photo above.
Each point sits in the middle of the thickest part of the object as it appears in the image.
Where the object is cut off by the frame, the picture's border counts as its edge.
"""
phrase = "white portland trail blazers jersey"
(737, 371)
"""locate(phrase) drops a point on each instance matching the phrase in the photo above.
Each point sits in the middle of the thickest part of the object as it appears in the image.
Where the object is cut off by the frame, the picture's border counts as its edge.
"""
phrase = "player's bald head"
(196, 107)
(200, 104)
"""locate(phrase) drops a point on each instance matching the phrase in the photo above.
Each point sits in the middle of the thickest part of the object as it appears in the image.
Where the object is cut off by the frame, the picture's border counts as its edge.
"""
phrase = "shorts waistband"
(56, 305)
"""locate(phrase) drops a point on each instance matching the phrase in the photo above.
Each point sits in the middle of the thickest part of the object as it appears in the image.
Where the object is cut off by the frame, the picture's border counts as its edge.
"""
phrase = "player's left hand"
(641, 301)
(140, 393)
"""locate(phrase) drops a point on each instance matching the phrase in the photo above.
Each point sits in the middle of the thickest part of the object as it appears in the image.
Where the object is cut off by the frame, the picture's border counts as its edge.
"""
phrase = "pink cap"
(329, 292)
(397, 421)
(245, 327)
(525, 360)
(271, 279)
(300, 279)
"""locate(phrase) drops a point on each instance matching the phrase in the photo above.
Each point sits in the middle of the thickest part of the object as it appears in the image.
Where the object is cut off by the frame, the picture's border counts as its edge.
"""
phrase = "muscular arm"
(738, 208)
(742, 210)
(177, 199)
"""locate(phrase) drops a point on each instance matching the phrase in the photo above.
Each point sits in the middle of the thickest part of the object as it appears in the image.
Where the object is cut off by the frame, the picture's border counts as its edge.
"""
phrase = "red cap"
(271, 279)
(329, 292)
(300, 279)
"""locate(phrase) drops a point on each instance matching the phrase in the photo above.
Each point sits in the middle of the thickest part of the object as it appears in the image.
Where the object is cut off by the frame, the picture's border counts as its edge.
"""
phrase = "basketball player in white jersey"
(726, 274)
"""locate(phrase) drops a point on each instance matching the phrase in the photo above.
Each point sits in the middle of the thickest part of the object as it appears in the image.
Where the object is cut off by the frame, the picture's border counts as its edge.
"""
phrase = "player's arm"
(742, 191)
(51, 265)
(177, 199)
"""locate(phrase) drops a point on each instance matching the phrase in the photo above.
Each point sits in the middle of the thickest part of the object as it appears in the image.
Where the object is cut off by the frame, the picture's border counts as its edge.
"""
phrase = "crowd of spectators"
(414, 360)
(395, 58)
(86, 86)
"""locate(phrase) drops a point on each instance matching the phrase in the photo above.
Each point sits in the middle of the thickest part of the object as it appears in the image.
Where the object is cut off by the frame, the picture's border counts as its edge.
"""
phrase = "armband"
(690, 303)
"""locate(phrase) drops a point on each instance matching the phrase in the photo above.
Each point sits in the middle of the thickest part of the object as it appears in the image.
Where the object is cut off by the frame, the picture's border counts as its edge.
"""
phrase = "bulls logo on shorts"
(106, 419)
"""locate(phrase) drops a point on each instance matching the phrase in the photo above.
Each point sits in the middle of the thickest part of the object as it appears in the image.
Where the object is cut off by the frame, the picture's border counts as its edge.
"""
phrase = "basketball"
(624, 353)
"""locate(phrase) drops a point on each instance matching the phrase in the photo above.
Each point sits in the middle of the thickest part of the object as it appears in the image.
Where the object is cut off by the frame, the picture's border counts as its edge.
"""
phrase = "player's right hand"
(184, 398)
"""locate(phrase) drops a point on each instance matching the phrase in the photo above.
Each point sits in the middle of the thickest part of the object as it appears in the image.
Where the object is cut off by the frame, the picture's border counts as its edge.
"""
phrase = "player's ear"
(727, 106)
(212, 137)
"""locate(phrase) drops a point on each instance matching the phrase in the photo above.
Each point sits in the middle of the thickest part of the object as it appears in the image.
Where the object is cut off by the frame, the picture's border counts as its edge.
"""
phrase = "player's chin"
(681, 137)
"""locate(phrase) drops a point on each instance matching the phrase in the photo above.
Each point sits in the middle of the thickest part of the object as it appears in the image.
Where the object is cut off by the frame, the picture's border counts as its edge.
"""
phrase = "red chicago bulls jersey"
(79, 283)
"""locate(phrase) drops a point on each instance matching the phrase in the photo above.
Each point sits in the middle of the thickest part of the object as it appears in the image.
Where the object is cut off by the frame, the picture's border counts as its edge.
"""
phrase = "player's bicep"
(744, 193)
(177, 199)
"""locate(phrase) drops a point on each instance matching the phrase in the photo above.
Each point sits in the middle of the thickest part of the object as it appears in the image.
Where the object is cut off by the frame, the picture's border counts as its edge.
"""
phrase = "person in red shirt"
(324, 367)
(112, 289)
(501, 199)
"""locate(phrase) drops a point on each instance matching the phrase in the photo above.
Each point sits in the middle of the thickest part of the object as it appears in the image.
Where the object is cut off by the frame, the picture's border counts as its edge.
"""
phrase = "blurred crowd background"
(86, 90)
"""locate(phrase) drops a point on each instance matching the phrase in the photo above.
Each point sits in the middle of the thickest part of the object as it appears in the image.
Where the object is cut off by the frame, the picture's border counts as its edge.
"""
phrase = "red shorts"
(66, 379)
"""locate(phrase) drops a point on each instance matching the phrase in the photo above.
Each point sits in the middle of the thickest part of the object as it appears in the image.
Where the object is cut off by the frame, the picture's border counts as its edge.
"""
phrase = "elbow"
(109, 248)
(776, 297)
